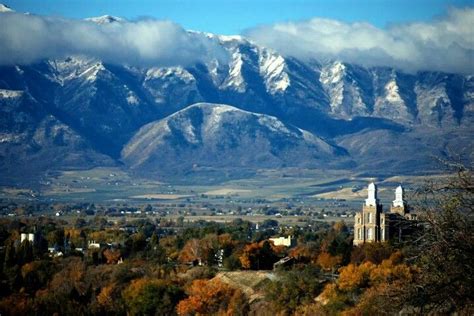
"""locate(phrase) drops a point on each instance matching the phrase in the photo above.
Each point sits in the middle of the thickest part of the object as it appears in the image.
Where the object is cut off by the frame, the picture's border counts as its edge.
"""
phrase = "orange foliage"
(304, 252)
(191, 251)
(249, 251)
(375, 284)
(105, 296)
(112, 255)
(328, 262)
(16, 304)
(28, 268)
(352, 277)
(226, 240)
(211, 297)
(260, 255)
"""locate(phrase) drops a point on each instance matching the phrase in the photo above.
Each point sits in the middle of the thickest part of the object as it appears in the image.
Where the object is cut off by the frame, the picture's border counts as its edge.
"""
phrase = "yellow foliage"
(329, 293)
(349, 278)
(73, 233)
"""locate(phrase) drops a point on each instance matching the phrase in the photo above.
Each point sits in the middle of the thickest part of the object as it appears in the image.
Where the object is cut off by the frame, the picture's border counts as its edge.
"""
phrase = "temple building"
(374, 225)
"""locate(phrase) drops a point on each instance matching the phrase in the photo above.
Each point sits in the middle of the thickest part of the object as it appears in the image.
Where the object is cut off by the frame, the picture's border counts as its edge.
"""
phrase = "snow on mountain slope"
(171, 88)
(223, 136)
(4, 8)
(274, 71)
(348, 88)
(106, 19)
(106, 104)
(390, 104)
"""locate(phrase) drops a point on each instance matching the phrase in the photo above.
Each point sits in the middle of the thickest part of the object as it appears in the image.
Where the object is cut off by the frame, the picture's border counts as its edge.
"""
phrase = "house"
(283, 241)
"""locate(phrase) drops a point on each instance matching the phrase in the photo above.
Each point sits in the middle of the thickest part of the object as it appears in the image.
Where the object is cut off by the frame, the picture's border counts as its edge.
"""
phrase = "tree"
(112, 256)
(294, 288)
(328, 262)
(191, 251)
(207, 297)
(373, 252)
(444, 250)
(258, 256)
(368, 288)
(56, 238)
(306, 253)
(152, 297)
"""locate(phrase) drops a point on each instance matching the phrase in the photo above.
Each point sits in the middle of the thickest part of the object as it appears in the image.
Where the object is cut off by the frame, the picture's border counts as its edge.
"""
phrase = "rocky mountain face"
(207, 134)
(85, 112)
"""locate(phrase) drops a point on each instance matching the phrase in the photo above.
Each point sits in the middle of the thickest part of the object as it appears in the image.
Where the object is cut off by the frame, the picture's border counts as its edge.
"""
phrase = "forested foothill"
(165, 267)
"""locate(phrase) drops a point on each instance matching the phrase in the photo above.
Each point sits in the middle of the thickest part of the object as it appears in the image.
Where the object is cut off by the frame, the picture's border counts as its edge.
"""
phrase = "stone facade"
(373, 225)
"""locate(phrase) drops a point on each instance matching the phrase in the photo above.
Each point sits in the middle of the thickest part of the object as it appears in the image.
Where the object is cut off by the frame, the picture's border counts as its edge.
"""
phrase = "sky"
(230, 17)
(411, 35)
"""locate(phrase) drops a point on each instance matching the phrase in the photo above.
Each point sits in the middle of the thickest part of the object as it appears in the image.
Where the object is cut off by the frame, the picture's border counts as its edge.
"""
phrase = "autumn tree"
(208, 297)
(327, 261)
(112, 256)
(373, 252)
(258, 256)
(191, 252)
(36, 274)
(152, 297)
(305, 253)
(365, 288)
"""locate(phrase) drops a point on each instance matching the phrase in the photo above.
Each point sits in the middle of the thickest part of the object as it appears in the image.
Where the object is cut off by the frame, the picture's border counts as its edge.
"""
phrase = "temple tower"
(367, 222)
(399, 204)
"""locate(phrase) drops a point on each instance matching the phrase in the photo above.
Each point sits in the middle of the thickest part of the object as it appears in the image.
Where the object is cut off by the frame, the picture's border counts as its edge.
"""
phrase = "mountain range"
(259, 109)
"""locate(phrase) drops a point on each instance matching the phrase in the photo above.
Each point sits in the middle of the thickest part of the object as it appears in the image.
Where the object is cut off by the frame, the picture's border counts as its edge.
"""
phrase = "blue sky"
(233, 17)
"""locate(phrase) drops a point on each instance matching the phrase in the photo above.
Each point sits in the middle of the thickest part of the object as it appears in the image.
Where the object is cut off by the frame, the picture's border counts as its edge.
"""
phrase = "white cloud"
(444, 44)
(28, 38)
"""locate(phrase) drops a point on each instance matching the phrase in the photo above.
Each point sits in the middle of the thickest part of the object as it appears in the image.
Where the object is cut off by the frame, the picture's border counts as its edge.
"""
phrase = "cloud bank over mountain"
(443, 44)
(28, 38)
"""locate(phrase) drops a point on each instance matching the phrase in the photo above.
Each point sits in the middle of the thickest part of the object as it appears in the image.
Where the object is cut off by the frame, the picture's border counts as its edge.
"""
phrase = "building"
(283, 241)
(30, 237)
(374, 225)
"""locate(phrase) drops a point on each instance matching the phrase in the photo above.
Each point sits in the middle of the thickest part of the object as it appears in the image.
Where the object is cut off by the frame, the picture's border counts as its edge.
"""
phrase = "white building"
(29, 237)
(372, 224)
(282, 241)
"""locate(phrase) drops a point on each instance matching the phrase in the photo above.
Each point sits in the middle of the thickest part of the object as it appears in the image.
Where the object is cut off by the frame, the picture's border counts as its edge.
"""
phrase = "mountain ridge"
(217, 135)
(106, 105)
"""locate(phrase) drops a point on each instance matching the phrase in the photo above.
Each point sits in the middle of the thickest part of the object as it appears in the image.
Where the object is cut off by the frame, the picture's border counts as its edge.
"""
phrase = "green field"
(308, 187)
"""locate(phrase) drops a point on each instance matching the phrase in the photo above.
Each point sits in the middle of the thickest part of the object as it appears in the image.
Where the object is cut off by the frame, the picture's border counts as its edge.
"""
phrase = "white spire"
(399, 202)
(372, 195)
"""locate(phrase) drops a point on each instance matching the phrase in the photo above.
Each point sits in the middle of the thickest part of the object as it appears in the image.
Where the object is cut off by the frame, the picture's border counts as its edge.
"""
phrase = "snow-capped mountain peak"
(105, 19)
(4, 8)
